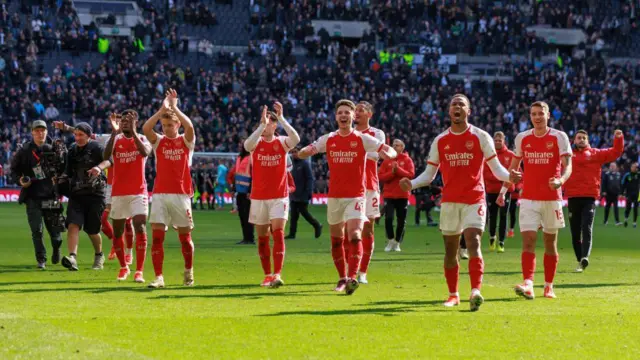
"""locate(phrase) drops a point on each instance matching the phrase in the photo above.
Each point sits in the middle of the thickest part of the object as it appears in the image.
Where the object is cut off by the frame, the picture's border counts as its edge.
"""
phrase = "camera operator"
(38, 192)
(86, 194)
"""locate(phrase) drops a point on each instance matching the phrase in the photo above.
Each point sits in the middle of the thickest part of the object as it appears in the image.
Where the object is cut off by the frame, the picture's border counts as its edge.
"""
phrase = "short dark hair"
(581, 131)
(460, 95)
(346, 102)
(367, 106)
(541, 104)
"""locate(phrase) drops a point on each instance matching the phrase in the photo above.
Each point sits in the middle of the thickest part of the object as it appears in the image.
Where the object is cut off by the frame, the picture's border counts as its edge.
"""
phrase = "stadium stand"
(228, 57)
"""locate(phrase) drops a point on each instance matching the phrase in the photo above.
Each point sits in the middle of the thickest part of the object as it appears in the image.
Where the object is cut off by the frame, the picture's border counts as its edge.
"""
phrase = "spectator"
(51, 113)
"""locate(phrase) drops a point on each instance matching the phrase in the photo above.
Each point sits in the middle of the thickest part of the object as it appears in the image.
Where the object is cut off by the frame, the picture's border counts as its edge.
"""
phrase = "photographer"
(29, 170)
(86, 194)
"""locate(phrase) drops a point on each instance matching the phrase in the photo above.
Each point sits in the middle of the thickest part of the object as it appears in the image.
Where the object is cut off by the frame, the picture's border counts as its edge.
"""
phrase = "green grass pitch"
(57, 314)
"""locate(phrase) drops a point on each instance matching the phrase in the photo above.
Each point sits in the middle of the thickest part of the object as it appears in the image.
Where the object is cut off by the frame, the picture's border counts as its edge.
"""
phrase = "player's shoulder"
(558, 134)
(524, 134)
(442, 135)
(474, 130)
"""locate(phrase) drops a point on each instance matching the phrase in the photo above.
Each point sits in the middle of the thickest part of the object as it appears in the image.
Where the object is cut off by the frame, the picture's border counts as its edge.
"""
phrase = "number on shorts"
(559, 214)
(358, 206)
(375, 202)
(481, 210)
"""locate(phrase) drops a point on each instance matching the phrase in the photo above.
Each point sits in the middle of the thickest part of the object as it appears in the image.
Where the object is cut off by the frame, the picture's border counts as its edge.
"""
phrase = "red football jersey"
(491, 183)
(128, 167)
(542, 157)
(173, 164)
(461, 158)
(269, 167)
(372, 182)
(347, 156)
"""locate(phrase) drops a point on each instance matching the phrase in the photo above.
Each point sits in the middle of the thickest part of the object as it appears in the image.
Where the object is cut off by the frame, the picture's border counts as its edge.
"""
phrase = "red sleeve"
(408, 170)
(231, 175)
(383, 175)
(611, 154)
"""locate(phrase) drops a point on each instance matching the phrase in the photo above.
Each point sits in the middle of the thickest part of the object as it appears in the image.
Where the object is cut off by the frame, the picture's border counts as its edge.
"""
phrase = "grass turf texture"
(61, 314)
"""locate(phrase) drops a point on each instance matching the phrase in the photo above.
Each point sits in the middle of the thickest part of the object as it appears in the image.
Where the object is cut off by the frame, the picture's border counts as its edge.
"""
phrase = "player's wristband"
(503, 190)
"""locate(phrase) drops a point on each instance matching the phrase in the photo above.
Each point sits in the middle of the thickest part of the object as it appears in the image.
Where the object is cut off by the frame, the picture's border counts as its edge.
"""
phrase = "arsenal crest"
(469, 145)
(549, 145)
(354, 144)
(276, 147)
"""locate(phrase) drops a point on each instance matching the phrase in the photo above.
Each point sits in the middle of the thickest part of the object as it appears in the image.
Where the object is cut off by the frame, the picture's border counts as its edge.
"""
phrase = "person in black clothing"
(37, 189)
(200, 180)
(87, 184)
(631, 188)
(426, 198)
(299, 199)
(210, 180)
(241, 184)
(611, 181)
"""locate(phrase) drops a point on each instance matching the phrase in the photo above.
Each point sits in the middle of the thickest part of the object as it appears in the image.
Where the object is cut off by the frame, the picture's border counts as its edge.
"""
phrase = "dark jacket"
(631, 184)
(23, 163)
(79, 161)
(611, 182)
(303, 177)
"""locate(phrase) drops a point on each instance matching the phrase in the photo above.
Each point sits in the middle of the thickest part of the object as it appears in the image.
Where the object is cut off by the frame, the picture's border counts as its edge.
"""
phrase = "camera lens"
(26, 179)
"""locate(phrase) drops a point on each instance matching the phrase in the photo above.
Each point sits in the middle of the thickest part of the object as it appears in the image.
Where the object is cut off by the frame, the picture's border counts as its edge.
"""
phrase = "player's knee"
(550, 232)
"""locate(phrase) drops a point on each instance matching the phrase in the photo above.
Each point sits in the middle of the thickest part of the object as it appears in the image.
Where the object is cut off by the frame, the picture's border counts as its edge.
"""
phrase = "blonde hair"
(542, 104)
(346, 102)
(498, 134)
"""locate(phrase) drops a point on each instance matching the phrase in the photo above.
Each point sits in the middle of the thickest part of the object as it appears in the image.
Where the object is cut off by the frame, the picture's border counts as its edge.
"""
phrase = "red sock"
(278, 251)
(528, 265)
(345, 246)
(355, 256)
(187, 250)
(128, 233)
(476, 269)
(550, 266)
(107, 229)
(367, 247)
(118, 245)
(141, 250)
(157, 250)
(265, 254)
(337, 252)
(452, 275)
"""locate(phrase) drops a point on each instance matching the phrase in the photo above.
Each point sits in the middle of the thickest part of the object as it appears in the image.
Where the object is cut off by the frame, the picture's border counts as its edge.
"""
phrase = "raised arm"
(185, 121)
(147, 128)
(254, 138)
(115, 127)
(611, 154)
(293, 138)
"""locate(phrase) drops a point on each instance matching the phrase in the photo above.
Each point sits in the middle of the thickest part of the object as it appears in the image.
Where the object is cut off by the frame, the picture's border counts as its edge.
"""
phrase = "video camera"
(53, 162)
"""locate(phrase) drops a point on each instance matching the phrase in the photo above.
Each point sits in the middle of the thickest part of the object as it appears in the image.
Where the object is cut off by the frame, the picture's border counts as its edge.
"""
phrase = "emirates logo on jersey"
(549, 145)
(469, 145)
(342, 157)
(354, 144)
(127, 157)
(538, 157)
(173, 154)
(269, 160)
(458, 159)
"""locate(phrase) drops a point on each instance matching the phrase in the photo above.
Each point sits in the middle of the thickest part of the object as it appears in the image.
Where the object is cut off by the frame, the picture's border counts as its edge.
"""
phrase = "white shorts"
(107, 194)
(124, 207)
(456, 217)
(534, 214)
(344, 209)
(373, 204)
(171, 210)
(263, 211)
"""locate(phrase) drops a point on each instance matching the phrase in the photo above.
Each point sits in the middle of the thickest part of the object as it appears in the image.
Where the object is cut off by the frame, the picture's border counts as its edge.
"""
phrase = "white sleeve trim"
(425, 178)
(498, 170)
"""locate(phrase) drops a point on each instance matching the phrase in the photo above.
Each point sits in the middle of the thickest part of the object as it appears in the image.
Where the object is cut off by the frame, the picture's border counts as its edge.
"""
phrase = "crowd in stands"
(410, 102)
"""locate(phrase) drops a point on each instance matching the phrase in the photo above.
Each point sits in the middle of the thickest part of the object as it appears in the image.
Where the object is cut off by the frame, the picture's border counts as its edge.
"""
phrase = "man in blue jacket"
(299, 199)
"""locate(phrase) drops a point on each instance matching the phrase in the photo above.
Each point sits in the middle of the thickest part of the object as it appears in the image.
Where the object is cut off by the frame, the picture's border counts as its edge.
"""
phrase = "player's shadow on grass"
(388, 311)
(244, 296)
(67, 282)
(595, 285)
(26, 268)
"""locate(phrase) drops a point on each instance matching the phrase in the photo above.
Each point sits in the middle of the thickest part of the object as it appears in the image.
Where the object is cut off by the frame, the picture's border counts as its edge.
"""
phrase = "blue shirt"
(222, 174)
